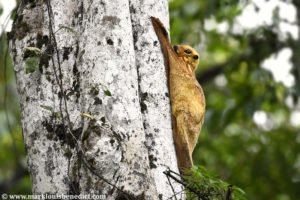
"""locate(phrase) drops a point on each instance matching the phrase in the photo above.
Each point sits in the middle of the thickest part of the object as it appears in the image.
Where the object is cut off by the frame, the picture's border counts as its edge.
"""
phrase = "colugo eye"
(187, 51)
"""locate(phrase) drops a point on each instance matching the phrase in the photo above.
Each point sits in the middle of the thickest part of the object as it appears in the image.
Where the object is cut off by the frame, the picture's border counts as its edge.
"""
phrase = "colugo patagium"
(186, 95)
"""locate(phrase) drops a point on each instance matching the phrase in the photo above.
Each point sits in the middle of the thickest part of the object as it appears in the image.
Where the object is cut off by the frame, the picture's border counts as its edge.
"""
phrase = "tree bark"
(100, 58)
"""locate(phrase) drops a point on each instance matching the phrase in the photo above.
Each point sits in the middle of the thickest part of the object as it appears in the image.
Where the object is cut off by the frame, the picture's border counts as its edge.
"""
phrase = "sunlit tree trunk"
(94, 99)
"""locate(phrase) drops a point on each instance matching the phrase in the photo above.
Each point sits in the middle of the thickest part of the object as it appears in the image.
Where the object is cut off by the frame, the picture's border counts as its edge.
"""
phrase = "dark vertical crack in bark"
(135, 38)
(136, 30)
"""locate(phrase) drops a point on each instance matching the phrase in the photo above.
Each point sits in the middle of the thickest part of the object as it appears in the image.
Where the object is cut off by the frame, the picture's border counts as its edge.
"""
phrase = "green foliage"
(209, 186)
(107, 92)
(10, 129)
(47, 107)
(35, 49)
(32, 64)
(69, 29)
(264, 161)
(97, 86)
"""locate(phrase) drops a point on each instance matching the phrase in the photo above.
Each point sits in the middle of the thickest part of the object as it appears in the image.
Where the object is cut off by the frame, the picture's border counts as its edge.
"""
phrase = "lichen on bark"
(106, 63)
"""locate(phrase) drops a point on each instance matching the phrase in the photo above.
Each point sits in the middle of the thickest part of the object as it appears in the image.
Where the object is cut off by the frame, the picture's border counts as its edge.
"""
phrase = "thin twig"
(60, 83)
(171, 187)
(229, 191)
(87, 165)
(131, 197)
(176, 193)
(52, 37)
(54, 67)
(171, 171)
(201, 196)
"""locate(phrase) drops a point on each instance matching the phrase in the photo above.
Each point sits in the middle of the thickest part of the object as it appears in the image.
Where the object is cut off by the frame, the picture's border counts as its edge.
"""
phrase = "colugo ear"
(175, 47)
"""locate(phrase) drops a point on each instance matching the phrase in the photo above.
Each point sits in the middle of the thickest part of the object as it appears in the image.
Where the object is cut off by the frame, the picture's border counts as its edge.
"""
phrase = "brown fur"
(186, 95)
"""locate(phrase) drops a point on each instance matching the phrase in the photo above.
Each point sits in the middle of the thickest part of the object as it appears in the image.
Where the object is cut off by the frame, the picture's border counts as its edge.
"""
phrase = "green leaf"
(107, 92)
(208, 184)
(86, 115)
(238, 190)
(58, 115)
(13, 14)
(47, 107)
(35, 49)
(69, 29)
(32, 64)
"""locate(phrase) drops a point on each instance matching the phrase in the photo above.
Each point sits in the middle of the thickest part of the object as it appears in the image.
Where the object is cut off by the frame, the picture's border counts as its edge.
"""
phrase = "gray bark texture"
(94, 101)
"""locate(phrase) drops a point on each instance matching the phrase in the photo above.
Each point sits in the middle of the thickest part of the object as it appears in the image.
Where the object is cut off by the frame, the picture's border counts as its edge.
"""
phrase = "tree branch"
(210, 73)
(19, 173)
(168, 174)
(213, 71)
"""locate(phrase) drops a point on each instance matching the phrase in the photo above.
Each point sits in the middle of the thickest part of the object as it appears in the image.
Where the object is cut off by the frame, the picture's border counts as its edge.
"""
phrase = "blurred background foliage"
(14, 178)
(251, 134)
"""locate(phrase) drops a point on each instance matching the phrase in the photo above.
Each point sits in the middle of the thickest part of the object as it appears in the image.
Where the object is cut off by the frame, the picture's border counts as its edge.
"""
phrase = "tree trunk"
(94, 99)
